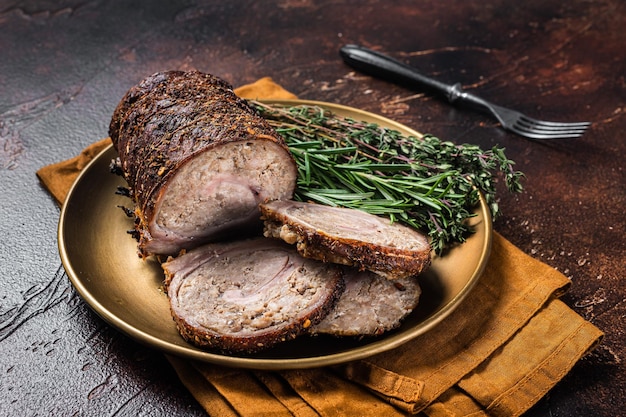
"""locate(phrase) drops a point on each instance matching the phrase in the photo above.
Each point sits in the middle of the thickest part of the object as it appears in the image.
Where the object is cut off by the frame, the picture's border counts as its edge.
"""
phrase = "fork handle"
(387, 68)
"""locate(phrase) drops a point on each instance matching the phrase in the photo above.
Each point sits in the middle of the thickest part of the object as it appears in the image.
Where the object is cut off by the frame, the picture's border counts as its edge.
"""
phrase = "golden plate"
(101, 261)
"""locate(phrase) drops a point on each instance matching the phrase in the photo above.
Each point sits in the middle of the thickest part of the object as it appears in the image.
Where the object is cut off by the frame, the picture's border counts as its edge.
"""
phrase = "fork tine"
(538, 133)
(556, 125)
(541, 129)
(550, 129)
(535, 135)
(532, 128)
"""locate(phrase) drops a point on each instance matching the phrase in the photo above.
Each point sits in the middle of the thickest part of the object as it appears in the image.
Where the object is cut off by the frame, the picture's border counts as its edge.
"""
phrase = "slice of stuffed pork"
(198, 160)
(244, 296)
(370, 305)
(349, 237)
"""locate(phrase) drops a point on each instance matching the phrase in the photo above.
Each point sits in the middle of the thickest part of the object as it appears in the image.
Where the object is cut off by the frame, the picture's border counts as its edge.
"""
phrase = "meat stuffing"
(248, 295)
(198, 160)
(349, 237)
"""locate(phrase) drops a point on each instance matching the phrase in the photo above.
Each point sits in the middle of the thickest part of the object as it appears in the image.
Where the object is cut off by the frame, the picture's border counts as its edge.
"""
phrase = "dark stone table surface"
(65, 64)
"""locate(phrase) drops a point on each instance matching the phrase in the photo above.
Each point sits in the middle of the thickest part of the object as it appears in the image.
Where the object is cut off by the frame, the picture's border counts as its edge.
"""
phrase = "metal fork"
(385, 67)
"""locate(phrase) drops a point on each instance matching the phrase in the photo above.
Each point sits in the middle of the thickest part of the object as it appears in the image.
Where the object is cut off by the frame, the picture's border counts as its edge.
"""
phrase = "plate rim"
(352, 354)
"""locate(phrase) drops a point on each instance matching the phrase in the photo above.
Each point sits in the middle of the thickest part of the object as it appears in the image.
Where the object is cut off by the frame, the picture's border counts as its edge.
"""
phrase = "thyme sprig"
(424, 182)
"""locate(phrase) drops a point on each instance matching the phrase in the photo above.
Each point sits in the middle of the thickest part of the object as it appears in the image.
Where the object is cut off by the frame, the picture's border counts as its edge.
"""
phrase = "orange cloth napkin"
(508, 343)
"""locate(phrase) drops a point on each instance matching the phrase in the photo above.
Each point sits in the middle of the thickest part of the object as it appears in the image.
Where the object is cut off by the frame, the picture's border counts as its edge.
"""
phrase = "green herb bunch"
(423, 182)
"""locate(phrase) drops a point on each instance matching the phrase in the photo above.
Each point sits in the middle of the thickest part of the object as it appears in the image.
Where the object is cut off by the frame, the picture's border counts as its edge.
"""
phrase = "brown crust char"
(170, 118)
(245, 296)
(348, 237)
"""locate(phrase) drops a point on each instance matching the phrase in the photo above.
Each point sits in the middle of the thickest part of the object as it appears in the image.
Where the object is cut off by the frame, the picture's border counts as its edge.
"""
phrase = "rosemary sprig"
(423, 182)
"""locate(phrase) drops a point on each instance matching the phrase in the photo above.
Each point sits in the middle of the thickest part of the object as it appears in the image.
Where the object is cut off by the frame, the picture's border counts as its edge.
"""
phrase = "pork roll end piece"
(197, 159)
(216, 193)
(244, 296)
(370, 306)
(349, 237)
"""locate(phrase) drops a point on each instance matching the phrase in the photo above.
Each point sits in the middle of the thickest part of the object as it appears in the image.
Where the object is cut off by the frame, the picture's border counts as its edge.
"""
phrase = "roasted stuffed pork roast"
(205, 171)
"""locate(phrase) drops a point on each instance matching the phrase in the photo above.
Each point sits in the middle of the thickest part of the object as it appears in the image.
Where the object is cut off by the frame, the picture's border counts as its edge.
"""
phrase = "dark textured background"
(64, 65)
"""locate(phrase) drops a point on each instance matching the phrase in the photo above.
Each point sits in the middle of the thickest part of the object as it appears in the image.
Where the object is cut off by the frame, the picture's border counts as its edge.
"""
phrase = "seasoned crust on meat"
(245, 296)
(348, 237)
